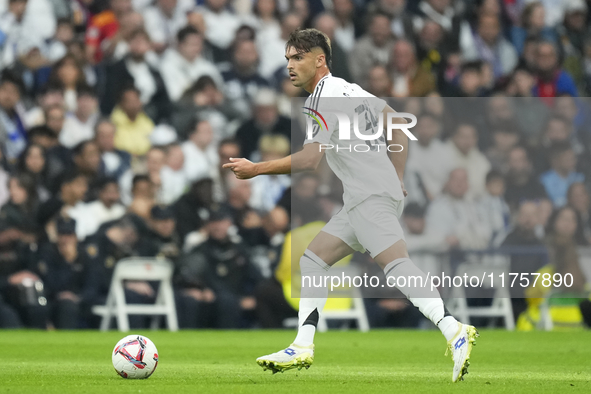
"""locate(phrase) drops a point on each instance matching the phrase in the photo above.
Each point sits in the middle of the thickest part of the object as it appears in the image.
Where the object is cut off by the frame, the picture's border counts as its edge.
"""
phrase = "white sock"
(426, 299)
(313, 298)
(449, 327)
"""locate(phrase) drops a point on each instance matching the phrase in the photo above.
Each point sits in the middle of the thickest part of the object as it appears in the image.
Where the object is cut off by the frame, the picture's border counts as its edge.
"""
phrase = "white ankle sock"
(449, 327)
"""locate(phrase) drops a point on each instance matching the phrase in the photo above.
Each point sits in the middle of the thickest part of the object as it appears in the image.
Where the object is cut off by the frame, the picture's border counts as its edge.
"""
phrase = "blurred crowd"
(116, 117)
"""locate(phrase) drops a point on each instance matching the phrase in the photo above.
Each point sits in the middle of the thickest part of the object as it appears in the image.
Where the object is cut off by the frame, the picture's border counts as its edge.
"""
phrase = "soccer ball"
(135, 357)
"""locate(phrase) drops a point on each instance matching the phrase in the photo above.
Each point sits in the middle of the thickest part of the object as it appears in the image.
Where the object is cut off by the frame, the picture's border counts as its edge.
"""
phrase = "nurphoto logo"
(371, 137)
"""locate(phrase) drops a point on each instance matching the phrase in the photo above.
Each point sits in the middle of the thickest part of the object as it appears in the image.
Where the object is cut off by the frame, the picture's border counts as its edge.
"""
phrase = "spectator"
(72, 189)
(456, 217)
(155, 161)
(266, 120)
(49, 96)
(327, 23)
(564, 234)
(572, 35)
(221, 25)
(32, 162)
(68, 75)
(272, 49)
(204, 101)
(347, 28)
(114, 162)
(192, 209)
(63, 264)
(495, 210)
(25, 21)
(423, 245)
(163, 235)
(532, 25)
(87, 159)
(18, 237)
(266, 15)
(409, 78)
(57, 46)
(445, 15)
(79, 126)
(374, 48)
(184, 65)
(242, 81)
(562, 174)
(578, 198)
(173, 178)
(378, 82)
(134, 70)
(266, 191)
(12, 128)
(165, 19)
(102, 32)
(133, 126)
(524, 235)
(58, 158)
(425, 175)
(491, 47)
(142, 196)
(217, 279)
(90, 216)
(199, 152)
(55, 116)
(552, 80)
(521, 184)
(462, 152)
(504, 140)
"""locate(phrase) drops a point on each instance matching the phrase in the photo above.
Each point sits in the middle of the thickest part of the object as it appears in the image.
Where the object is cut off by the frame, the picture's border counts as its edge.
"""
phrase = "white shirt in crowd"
(220, 27)
(199, 164)
(161, 29)
(90, 216)
(267, 190)
(174, 185)
(75, 131)
(428, 162)
(179, 74)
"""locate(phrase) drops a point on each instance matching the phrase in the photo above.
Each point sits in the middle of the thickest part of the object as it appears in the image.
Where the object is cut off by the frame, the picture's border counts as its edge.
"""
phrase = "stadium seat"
(478, 265)
(145, 269)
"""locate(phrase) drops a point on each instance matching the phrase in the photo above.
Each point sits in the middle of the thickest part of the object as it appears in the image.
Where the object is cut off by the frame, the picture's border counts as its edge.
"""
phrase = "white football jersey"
(363, 167)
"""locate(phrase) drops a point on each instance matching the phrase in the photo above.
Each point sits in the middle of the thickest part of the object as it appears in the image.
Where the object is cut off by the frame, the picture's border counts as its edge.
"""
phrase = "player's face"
(301, 66)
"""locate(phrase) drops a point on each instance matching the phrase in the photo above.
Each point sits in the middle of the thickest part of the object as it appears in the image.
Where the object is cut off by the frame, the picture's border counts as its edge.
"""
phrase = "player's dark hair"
(303, 41)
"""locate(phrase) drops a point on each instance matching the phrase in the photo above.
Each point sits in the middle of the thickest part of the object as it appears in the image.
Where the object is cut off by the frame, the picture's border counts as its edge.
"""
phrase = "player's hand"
(404, 192)
(243, 168)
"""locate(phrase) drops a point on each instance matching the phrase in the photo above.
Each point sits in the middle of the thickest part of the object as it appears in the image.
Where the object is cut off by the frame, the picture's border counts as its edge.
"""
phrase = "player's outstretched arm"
(305, 160)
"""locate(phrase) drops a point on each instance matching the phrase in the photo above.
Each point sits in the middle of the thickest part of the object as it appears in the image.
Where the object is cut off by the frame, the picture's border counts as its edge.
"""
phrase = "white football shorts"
(372, 225)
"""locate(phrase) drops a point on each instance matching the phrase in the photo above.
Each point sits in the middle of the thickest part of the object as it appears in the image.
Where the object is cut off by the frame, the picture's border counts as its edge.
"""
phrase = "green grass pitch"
(389, 361)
